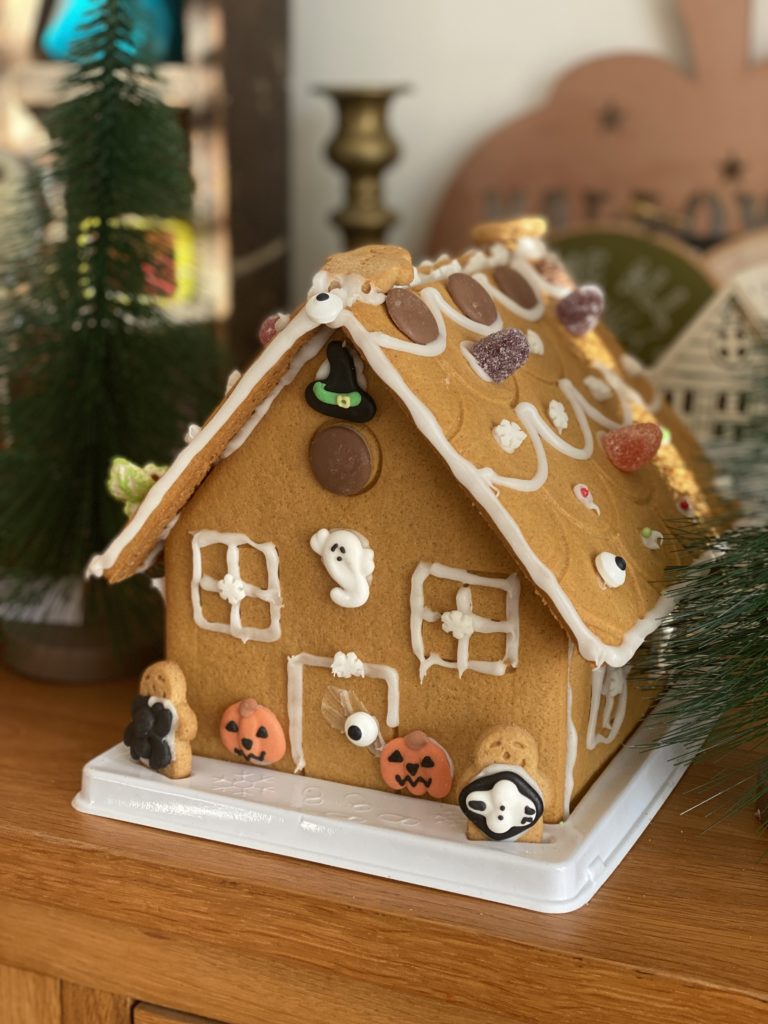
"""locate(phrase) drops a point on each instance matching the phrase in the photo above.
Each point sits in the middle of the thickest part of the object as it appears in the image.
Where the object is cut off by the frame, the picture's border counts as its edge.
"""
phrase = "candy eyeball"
(324, 307)
(361, 729)
(685, 508)
(612, 569)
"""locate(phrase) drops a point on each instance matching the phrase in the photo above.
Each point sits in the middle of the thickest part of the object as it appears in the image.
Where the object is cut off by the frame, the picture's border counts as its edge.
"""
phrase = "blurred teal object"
(155, 34)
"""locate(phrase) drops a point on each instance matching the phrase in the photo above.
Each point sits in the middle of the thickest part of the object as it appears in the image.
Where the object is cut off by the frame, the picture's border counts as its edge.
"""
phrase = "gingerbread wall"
(414, 511)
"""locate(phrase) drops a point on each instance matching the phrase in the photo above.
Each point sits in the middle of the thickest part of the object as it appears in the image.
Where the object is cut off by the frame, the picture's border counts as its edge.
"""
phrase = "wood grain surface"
(679, 933)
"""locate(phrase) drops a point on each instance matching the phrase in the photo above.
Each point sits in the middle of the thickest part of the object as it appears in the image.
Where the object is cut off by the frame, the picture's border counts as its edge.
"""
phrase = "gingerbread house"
(419, 542)
(708, 373)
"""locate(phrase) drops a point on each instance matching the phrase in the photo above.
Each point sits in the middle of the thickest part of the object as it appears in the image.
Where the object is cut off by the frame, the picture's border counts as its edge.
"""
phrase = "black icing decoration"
(502, 353)
(339, 394)
(146, 734)
(479, 810)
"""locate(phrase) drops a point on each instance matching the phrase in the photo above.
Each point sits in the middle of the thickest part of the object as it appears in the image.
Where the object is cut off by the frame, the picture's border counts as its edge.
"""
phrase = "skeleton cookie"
(348, 559)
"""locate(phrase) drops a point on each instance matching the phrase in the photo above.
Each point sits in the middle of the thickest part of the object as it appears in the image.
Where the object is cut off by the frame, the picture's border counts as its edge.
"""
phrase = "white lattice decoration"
(232, 590)
(608, 706)
(462, 622)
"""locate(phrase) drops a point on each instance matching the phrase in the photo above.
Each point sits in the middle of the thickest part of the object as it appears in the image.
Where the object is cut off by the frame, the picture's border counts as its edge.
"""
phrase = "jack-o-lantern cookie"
(503, 794)
(162, 724)
(253, 732)
(417, 764)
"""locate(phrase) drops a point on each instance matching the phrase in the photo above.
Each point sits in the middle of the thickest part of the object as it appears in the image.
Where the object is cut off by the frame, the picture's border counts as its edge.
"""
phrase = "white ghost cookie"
(348, 559)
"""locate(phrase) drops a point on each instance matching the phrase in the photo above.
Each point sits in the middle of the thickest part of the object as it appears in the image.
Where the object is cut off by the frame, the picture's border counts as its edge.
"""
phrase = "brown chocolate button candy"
(411, 315)
(515, 287)
(341, 460)
(471, 298)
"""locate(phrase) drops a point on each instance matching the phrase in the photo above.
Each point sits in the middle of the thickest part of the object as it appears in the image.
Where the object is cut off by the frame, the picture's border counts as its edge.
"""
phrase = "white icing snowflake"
(535, 344)
(459, 624)
(598, 388)
(231, 589)
(345, 666)
(509, 435)
(558, 415)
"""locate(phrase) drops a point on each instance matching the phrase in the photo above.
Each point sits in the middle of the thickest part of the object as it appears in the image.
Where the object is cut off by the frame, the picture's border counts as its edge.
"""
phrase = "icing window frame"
(608, 704)
(421, 613)
(295, 696)
(203, 583)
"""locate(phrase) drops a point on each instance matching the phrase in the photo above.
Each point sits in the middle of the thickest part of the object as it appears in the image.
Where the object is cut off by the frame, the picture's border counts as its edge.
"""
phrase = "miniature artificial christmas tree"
(93, 367)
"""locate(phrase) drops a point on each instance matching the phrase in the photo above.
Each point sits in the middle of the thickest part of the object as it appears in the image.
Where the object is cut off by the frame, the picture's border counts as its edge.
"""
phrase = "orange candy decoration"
(417, 764)
(631, 447)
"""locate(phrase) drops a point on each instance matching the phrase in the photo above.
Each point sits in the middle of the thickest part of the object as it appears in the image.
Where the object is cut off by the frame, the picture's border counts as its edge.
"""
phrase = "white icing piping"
(296, 665)
(537, 429)
(591, 647)
(282, 343)
(202, 582)
(609, 688)
(572, 739)
(420, 614)
(306, 353)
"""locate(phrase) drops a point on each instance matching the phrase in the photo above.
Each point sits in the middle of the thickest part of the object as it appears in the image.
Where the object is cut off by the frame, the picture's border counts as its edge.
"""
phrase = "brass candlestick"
(363, 148)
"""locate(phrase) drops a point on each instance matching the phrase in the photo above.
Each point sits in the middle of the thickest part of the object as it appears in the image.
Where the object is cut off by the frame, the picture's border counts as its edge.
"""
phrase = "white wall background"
(471, 65)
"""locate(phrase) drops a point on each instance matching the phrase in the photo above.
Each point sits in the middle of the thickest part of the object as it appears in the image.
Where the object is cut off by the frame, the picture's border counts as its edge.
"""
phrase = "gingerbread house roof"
(518, 425)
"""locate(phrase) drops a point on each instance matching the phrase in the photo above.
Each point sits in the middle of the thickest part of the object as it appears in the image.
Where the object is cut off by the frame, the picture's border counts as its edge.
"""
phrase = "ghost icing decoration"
(338, 393)
(417, 764)
(348, 559)
(503, 802)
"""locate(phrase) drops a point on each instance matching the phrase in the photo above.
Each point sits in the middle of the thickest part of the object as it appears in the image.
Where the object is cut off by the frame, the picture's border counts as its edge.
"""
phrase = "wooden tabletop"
(679, 933)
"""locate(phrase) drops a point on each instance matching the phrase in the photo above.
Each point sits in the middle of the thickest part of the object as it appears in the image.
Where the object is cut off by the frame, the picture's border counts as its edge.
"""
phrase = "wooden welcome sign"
(625, 130)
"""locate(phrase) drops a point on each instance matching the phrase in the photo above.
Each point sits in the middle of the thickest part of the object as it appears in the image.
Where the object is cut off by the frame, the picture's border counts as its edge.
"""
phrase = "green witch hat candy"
(339, 393)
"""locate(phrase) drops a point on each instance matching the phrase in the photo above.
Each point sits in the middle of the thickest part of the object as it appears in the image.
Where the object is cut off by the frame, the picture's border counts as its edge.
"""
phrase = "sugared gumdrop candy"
(631, 447)
(268, 329)
(500, 354)
(581, 309)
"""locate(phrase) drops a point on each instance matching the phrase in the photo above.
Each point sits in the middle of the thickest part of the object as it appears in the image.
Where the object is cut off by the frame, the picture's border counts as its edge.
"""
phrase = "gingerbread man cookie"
(503, 794)
(163, 724)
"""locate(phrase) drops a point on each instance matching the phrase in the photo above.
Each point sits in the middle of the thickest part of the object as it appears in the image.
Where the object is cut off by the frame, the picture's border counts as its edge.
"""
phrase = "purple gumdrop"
(581, 309)
(500, 354)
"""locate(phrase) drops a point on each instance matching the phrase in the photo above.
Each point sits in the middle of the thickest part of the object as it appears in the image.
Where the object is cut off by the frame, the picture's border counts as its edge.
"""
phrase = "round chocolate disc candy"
(341, 460)
(471, 298)
(515, 287)
(411, 315)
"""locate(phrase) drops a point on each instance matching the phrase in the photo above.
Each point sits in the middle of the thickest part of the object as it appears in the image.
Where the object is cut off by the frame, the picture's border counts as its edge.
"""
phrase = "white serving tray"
(394, 836)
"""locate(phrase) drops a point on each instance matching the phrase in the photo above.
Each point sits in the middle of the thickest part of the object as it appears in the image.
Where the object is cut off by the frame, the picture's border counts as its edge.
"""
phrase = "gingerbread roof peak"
(379, 267)
(513, 401)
